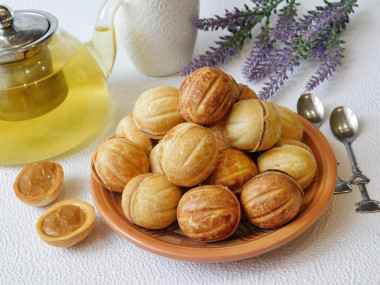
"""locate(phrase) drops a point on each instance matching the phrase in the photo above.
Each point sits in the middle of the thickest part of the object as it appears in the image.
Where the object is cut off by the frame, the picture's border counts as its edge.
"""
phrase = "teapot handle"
(103, 42)
(107, 13)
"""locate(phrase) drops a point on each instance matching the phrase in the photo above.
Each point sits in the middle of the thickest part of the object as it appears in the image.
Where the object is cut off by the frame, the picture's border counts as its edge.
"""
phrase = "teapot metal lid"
(23, 33)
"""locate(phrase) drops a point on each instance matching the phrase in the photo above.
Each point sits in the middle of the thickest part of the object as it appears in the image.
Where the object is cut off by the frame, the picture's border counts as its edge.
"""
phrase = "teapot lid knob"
(23, 32)
(6, 16)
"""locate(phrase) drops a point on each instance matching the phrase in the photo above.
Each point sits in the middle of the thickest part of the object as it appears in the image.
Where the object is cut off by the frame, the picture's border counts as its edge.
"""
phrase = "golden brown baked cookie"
(253, 125)
(150, 201)
(233, 170)
(66, 223)
(153, 160)
(271, 199)
(220, 135)
(206, 95)
(155, 111)
(127, 129)
(272, 128)
(39, 183)
(116, 161)
(291, 127)
(294, 159)
(208, 213)
(285, 141)
(246, 93)
(188, 154)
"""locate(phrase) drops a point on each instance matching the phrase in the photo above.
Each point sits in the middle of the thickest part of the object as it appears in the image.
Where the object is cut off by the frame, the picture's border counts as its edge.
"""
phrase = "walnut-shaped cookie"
(246, 93)
(188, 154)
(206, 95)
(155, 111)
(292, 157)
(149, 200)
(285, 141)
(153, 160)
(233, 170)
(116, 161)
(127, 129)
(253, 125)
(219, 133)
(271, 199)
(209, 213)
(291, 127)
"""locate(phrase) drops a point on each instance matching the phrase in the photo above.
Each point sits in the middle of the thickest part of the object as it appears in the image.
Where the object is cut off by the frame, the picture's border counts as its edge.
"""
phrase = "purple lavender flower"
(232, 20)
(258, 63)
(262, 1)
(334, 15)
(286, 26)
(316, 34)
(240, 23)
(278, 50)
(326, 69)
(284, 61)
(330, 52)
(325, 26)
(211, 58)
(266, 60)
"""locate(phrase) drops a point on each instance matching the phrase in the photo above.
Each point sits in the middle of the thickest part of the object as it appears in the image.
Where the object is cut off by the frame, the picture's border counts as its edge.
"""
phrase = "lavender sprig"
(330, 52)
(328, 48)
(257, 64)
(286, 26)
(214, 56)
(332, 16)
(262, 60)
(286, 60)
(277, 50)
(239, 23)
(316, 34)
(232, 20)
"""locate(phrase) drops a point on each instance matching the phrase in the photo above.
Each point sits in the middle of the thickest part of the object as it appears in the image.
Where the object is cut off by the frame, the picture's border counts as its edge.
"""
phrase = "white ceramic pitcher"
(159, 35)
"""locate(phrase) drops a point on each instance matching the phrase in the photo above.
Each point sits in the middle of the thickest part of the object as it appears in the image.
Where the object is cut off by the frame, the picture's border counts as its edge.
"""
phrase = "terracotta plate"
(249, 240)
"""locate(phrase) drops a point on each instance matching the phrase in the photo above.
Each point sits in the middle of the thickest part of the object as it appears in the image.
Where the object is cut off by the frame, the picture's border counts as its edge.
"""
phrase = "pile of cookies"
(204, 155)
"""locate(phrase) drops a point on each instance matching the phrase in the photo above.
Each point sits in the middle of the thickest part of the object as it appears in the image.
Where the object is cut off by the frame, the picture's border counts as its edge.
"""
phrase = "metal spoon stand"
(341, 186)
(366, 205)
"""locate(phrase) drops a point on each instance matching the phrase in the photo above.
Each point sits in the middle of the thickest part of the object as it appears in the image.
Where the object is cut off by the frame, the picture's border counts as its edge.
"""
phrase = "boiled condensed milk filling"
(38, 180)
(64, 220)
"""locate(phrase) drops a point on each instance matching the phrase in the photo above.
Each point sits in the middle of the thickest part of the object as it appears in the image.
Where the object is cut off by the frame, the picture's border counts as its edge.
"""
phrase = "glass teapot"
(53, 92)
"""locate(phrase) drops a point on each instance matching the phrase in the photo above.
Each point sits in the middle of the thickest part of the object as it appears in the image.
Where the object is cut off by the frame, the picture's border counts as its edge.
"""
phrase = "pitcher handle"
(103, 42)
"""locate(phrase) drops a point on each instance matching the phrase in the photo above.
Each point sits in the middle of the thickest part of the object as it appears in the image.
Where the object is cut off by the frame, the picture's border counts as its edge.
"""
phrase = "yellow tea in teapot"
(34, 99)
(55, 124)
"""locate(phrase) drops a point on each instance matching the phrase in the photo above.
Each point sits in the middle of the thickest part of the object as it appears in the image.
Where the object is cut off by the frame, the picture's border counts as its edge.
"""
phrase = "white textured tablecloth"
(342, 247)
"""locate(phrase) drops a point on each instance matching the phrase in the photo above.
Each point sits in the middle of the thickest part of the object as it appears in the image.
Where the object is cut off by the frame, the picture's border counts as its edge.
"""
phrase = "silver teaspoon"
(311, 108)
(344, 126)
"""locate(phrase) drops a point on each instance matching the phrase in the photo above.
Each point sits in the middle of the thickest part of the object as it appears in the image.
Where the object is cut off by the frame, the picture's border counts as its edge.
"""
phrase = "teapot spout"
(103, 42)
